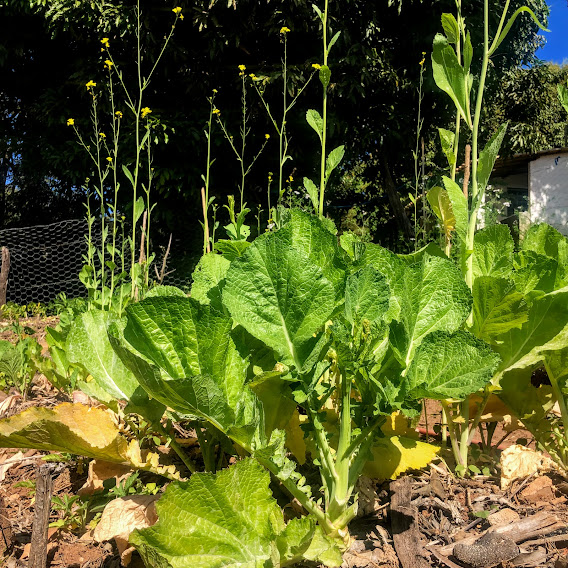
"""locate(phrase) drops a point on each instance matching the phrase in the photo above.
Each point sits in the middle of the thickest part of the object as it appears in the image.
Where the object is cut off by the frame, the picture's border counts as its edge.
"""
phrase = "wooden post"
(4, 275)
(44, 489)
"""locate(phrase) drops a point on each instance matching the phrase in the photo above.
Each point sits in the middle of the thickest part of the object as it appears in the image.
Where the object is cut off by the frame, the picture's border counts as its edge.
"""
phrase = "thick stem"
(341, 493)
(476, 198)
(453, 433)
(464, 433)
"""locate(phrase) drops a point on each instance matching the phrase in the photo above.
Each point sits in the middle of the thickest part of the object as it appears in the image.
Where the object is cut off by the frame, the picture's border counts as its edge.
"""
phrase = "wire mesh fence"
(45, 260)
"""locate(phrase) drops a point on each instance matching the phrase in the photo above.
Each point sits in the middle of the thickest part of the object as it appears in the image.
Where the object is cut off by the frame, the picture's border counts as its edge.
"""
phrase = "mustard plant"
(318, 122)
(259, 84)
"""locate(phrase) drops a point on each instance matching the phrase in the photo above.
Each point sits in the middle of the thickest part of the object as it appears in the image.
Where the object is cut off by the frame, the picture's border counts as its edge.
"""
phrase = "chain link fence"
(46, 260)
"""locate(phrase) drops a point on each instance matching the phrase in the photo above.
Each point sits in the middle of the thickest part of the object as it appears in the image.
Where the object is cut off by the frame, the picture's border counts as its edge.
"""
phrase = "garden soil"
(428, 518)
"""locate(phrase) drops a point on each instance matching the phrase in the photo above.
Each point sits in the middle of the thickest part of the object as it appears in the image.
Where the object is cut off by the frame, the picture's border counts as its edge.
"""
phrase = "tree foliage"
(50, 49)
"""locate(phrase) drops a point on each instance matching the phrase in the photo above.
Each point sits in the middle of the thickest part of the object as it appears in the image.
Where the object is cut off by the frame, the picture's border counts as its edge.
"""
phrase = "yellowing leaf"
(80, 430)
(395, 455)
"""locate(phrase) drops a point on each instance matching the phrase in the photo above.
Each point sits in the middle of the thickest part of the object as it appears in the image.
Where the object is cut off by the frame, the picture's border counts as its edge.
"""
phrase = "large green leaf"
(488, 156)
(366, 295)
(493, 252)
(183, 355)
(88, 344)
(433, 296)
(209, 279)
(450, 76)
(225, 520)
(279, 296)
(497, 307)
(314, 238)
(534, 272)
(450, 366)
(545, 240)
(546, 330)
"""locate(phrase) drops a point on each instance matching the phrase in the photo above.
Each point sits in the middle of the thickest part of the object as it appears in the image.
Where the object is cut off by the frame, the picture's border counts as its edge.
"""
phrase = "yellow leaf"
(81, 430)
(397, 454)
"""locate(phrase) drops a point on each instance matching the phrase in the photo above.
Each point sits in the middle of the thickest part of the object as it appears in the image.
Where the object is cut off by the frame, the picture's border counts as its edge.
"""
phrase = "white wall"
(548, 191)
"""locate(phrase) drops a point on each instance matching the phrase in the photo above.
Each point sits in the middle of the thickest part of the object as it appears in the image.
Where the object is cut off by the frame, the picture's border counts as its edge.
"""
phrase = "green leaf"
(467, 52)
(450, 76)
(313, 192)
(563, 96)
(497, 307)
(324, 76)
(315, 121)
(366, 296)
(488, 156)
(442, 207)
(88, 345)
(316, 239)
(225, 520)
(543, 239)
(493, 252)
(139, 207)
(450, 366)
(451, 29)
(128, 174)
(497, 42)
(433, 296)
(165, 291)
(545, 330)
(209, 279)
(332, 41)
(333, 160)
(231, 249)
(447, 140)
(183, 355)
(279, 296)
(535, 272)
(459, 206)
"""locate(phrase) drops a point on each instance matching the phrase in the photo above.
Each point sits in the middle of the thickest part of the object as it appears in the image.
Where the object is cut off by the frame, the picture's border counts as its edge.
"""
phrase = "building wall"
(548, 191)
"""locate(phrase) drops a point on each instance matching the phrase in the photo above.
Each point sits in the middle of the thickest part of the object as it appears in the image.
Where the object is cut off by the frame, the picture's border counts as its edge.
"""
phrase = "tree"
(372, 101)
(528, 99)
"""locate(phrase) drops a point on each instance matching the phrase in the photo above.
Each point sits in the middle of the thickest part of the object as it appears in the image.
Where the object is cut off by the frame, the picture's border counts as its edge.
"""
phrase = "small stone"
(491, 549)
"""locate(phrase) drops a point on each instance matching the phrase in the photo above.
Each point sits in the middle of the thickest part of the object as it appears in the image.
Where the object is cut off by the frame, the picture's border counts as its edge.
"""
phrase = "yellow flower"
(291, 179)
(146, 111)
(90, 84)
(284, 30)
(316, 66)
(118, 114)
(70, 122)
(108, 63)
(102, 135)
(109, 159)
(242, 67)
(216, 111)
(215, 91)
(253, 77)
(422, 61)
(267, 136)
(177, 10)
(104, 41)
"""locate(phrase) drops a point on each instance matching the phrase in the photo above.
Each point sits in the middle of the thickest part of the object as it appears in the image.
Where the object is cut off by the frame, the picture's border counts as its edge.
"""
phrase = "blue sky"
(556, 48)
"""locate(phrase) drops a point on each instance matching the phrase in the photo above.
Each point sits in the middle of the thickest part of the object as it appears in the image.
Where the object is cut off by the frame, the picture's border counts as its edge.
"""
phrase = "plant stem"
(324, 115)
(559, 398)
(476, 198)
